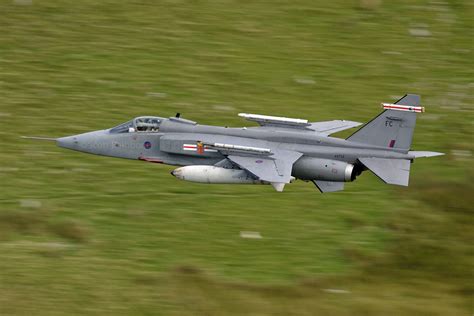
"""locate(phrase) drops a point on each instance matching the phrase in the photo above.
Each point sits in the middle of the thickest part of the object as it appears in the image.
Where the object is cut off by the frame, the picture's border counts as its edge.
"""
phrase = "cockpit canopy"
(140, 124)
(147, 124)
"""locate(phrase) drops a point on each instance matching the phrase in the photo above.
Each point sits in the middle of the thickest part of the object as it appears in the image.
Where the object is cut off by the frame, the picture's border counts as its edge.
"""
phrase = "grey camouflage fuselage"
(276, 152)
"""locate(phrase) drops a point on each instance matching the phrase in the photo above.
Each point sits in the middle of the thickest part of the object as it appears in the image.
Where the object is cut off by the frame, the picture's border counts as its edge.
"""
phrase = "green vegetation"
(84, 234)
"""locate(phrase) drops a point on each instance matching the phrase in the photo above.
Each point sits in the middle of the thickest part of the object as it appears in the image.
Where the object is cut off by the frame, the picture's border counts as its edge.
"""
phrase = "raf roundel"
(147, 145)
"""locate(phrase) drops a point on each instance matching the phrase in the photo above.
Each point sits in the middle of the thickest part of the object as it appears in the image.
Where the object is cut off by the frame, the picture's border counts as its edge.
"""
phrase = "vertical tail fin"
(394, 127)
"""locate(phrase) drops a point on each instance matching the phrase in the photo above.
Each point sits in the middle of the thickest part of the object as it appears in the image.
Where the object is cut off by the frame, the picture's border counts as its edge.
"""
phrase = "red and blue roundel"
(147, 145)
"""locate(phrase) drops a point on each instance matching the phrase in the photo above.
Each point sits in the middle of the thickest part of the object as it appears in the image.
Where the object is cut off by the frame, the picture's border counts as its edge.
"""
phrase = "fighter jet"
(277, 152)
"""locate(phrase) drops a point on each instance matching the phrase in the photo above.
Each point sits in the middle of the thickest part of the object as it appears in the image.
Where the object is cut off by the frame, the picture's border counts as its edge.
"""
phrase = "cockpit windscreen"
(122, 128)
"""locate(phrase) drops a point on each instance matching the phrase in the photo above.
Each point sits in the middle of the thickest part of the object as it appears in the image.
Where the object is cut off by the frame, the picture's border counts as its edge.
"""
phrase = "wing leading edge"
(330, 127)
(325, 128)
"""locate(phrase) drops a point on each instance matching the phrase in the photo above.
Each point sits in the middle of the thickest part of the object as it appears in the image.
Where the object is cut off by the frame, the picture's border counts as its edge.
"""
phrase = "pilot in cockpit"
(147, 124)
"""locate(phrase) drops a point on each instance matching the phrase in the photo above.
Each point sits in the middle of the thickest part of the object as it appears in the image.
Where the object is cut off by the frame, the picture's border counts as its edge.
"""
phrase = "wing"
(270, 165)
(330, 127)
(275, 168)
(260, 158)
(322, 128)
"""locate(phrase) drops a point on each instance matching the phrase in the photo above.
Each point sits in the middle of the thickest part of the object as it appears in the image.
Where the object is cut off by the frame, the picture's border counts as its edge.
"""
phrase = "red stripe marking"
(407, 108)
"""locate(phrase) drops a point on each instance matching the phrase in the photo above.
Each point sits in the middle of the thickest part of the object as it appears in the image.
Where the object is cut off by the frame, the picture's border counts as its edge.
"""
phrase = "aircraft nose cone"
(70, 142)
(95, 142)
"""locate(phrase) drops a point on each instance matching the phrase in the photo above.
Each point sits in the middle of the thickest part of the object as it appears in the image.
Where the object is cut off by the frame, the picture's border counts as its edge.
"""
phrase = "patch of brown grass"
(72, 230)
(363, 294)
(21, 221)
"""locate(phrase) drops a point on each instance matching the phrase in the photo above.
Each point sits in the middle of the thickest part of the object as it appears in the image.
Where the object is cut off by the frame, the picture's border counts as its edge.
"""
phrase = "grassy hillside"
(82, 234)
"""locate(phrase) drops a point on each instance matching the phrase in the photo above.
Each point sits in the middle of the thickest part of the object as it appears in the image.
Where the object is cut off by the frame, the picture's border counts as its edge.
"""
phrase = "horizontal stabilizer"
(391, 171)
(328, 186)
(421, 154)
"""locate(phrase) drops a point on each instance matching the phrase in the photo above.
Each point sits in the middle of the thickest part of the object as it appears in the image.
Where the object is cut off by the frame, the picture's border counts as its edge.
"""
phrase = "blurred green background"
(82, 234)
